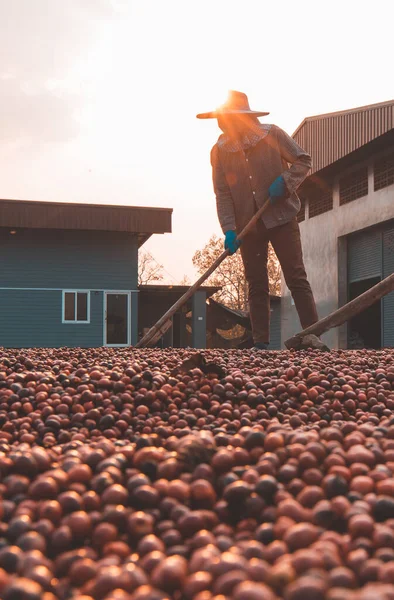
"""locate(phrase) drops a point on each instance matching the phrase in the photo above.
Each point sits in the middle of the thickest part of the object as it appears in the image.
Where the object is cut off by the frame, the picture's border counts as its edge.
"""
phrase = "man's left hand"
(277, 190)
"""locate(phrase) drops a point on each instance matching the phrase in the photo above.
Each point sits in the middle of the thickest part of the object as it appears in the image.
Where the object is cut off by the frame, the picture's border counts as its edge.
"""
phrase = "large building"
(69, 272)
(347, 220)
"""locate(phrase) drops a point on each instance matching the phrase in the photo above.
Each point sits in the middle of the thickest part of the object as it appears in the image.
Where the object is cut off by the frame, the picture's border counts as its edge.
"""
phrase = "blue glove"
(277, 190)
(231, 242)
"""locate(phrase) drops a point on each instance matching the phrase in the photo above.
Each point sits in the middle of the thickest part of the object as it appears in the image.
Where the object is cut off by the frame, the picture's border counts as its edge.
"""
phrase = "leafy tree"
(274, 271)
(230, 275)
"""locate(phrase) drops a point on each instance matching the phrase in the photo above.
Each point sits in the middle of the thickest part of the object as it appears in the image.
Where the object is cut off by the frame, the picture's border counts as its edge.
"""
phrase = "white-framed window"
(76, 306)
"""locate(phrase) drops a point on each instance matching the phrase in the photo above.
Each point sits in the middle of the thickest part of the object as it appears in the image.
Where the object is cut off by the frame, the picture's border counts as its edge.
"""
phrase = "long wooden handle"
(346, 312)
(156, 329)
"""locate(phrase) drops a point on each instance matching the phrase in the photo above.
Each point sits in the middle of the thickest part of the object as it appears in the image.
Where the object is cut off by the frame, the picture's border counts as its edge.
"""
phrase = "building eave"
(30, 214)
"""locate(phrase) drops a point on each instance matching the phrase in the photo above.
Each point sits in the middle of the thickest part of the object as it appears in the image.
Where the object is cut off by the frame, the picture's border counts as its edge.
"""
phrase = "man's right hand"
(230, 241)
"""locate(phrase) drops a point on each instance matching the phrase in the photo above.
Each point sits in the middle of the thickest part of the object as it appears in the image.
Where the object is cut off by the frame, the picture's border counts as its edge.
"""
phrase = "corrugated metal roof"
(97, 217)
(331, 136)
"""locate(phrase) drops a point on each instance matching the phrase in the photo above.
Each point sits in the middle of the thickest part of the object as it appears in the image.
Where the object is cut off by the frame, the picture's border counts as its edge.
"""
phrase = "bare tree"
(149, 270)
(185, 280)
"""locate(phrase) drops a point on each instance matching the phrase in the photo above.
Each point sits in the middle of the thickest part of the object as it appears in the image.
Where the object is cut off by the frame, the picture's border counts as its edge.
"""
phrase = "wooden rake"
(308, 337)
(164, 323)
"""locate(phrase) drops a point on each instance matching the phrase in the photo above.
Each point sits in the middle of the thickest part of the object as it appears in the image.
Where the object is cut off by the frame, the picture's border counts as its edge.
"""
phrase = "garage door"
(388, 301)
(364, 256)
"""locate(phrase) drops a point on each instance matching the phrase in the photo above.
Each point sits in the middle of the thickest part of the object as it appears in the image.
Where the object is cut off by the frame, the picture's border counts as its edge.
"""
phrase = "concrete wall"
(199, 319)
(325, 252)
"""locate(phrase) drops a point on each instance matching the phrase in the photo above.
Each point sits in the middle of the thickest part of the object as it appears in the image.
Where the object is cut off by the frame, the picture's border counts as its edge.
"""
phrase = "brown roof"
(332, 136)
(98, 217)
(175, 289)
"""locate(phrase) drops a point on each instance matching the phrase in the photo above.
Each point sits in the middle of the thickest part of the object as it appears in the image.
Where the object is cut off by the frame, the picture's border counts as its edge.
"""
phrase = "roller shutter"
(388, 301)
(364, 256)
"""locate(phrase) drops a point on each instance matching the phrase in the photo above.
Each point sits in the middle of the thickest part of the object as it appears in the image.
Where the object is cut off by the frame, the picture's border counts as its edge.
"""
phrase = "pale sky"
(99, 97)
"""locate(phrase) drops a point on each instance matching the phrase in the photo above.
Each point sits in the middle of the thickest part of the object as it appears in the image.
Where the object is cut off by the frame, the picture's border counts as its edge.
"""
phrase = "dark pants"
(286, 241)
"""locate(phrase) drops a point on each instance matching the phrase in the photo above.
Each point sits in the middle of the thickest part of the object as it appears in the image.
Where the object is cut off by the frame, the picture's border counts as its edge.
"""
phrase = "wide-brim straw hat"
(237, 104)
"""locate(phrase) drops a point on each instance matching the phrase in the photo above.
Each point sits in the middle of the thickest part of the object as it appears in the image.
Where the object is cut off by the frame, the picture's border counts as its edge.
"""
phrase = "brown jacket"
(241, 179)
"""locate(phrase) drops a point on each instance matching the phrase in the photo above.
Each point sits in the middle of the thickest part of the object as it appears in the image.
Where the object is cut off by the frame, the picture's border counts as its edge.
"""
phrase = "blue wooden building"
(69, 272)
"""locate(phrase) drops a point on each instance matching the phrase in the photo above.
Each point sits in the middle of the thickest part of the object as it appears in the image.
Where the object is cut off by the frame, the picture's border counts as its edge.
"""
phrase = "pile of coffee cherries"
(124, 477)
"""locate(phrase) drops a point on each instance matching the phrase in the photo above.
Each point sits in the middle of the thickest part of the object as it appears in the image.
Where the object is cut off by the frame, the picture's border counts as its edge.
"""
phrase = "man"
(250, 162)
